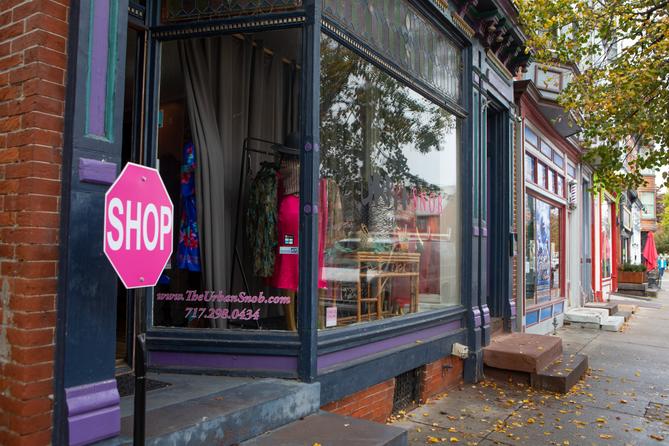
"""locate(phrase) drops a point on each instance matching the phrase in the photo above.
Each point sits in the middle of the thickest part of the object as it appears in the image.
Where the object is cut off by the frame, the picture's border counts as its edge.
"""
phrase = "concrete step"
(613, 323)
(632, 286)
(586, 315)
(611, 307)
(626, 314)
(228, 417)
(628, 295)
(328, 429)
(561, 375)
(630, 308)
(522, 352)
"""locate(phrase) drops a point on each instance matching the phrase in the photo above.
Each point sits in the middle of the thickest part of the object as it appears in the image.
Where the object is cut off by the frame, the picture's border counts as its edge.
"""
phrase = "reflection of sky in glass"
(438, 167)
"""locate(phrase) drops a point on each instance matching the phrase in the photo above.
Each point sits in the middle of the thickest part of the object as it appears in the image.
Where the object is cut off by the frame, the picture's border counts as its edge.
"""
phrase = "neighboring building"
(398, 240)
(648, 197)
(554, 197)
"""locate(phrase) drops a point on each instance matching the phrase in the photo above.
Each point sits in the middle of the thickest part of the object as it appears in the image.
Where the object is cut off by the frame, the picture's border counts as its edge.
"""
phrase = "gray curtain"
(234, 88)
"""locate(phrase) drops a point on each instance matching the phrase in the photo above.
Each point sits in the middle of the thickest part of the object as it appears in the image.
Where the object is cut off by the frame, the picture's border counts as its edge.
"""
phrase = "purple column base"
(486, 315)
(93, 412)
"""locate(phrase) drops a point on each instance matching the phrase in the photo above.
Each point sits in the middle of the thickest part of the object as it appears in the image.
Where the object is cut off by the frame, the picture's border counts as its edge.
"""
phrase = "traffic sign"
(138, 226)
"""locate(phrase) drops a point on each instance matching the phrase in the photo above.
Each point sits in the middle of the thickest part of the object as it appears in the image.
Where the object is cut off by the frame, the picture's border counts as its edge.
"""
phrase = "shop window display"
(543, 231)
(606, 243)
(228, 141)
(390, 194)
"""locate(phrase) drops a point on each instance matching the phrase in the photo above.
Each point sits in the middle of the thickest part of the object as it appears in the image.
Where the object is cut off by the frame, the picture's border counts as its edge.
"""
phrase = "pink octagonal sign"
(138, 226)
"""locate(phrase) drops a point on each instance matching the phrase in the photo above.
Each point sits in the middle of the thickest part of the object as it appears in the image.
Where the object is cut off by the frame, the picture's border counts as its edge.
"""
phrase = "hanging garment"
(286, 270)
(188, 250)
(261, 220)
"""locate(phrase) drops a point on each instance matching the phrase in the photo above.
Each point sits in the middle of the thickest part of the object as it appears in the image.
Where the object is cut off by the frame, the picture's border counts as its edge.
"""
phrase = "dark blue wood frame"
(308, 342)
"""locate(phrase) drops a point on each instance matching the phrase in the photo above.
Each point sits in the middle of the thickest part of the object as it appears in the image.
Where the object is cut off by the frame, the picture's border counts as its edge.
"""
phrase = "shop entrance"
(498, 205)
(132, 134)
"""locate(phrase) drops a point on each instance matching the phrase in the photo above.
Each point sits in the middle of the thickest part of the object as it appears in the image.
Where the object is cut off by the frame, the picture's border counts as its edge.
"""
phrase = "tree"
(620, 96)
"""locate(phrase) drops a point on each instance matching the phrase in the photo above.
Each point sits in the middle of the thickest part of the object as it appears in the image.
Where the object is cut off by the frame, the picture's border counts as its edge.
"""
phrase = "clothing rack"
(276, 149)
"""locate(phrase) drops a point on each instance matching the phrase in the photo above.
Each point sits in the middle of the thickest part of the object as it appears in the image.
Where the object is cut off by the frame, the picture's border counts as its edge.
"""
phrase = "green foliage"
(662, 241)
(633, 268)
(619, 98)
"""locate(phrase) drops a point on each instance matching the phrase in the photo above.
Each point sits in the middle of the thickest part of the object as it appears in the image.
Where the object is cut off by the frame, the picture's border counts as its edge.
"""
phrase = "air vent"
(407, 391)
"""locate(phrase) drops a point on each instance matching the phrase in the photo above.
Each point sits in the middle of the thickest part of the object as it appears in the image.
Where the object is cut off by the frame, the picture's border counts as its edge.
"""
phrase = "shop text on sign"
(138, 226)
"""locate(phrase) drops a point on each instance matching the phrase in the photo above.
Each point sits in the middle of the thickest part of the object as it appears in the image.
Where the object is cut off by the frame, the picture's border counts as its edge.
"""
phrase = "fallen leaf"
(657, 437)
(454, 440)
(605, 436)
(433, 440)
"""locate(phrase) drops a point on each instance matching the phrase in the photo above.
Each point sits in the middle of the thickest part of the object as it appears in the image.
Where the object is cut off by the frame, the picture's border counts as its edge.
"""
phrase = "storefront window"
(607, 248)
(543, 234)
(529, 168)
(560, 186)
(546, 149)
(648, 201)
(228, 142)
(541, 174)
(531, 137)
(551, 180)
(390, 195)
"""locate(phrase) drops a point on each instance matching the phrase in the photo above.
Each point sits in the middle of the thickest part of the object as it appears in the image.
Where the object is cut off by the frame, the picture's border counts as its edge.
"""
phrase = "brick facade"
(33, 41)
(376, 402)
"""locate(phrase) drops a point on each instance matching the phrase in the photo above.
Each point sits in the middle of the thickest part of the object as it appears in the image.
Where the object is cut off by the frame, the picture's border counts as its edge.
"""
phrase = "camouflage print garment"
(261, 220)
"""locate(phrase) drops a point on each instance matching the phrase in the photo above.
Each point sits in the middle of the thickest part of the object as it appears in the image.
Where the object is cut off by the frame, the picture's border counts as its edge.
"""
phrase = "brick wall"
(32, 92)
(440, 375)
(373, 403)
(376, 403)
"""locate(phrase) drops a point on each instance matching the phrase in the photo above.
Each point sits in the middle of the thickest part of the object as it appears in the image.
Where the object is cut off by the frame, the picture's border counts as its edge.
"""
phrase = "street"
(623, 400)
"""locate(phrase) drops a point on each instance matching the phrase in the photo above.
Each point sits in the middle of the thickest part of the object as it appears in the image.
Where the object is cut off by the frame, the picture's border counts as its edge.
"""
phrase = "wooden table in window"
(380, 268)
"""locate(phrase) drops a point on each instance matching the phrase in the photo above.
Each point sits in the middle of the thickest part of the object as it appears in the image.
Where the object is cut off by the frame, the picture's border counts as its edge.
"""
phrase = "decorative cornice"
(463, 25)
(194, 28)
(499, 65)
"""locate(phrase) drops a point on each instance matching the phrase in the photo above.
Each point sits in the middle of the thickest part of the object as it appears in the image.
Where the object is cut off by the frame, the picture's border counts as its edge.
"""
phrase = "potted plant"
(632, 273)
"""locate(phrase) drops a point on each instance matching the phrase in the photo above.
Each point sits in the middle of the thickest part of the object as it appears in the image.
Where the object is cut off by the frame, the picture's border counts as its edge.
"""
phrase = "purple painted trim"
(513, 308)
(476, 231)
(98, 172)
(486, 315)
(477, 317)
(99, 55)
(484, 231)
(350, 354)
(93, 412)
(229, 362)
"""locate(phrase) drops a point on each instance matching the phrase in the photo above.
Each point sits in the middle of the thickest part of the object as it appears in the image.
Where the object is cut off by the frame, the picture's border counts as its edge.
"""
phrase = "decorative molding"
(93, 412)
(499, 65)
(463, 25)
(195, 28)
(97, 172)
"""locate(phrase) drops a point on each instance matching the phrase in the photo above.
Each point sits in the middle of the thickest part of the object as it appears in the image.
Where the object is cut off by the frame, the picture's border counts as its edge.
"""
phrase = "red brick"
(30, 338)
(47, 23)
(33, 169)
(31, 390)
(36, 252)
(32, 355)
(39, 438)
(38, 37)
(44, 88)
(39, 219)
(36, 70)
(11, 31)
(34, 287)
(10, 124)
(28, 270)
(26, 425)
(9, 92)
(12, 61)
(25, 10)
(30, 235)
(41, 121)
(41, 203)
(46, 55)
(25, 408)
(39, 319)
(7, 218)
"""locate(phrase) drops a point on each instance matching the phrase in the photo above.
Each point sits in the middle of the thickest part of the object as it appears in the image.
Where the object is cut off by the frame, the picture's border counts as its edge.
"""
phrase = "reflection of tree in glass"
(368, 120)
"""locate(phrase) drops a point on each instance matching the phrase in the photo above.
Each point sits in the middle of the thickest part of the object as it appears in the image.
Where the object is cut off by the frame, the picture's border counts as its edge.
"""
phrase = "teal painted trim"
(475, 147)
(91, 15)
(484, 164)
(112, 57)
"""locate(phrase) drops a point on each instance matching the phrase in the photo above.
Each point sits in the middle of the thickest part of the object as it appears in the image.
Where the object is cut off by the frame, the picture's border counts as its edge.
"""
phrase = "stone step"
(632, 286)
(522, 352)
(586, 315)
(227, 417)
(611, 307)
(613, 323)
(586, 325)
(630, 308)
(626, 314)
(330, 429)
(561, 375)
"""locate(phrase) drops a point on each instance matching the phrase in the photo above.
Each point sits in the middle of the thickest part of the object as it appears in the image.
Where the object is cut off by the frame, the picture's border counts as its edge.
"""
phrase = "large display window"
(228, 152)
(390, 195)
(543, 258)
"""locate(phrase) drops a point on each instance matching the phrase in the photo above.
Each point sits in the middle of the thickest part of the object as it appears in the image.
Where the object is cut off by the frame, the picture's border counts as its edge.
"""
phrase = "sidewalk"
(624, 399)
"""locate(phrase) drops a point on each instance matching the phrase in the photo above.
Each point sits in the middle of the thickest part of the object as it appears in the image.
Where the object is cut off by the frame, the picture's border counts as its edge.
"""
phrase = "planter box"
(632, 276)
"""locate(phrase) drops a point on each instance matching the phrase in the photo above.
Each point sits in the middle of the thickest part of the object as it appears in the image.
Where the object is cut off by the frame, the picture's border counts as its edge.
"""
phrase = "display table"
(377, 270)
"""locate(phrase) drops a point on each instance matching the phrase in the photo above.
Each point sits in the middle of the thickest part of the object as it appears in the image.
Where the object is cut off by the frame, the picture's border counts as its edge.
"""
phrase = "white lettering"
(150, 243)
(115, 243)
(165, 225)
(133, 225)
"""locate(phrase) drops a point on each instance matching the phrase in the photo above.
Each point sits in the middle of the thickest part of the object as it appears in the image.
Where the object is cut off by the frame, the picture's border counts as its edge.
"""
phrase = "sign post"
(138, 228)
